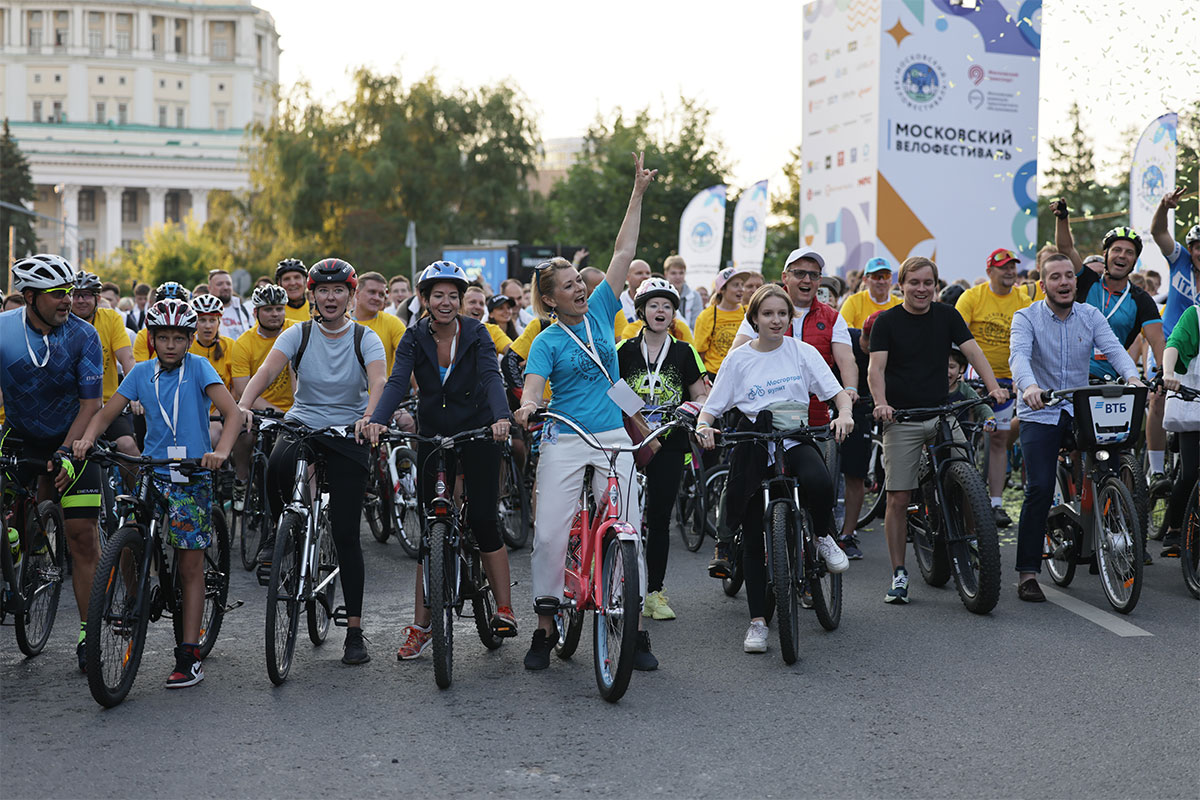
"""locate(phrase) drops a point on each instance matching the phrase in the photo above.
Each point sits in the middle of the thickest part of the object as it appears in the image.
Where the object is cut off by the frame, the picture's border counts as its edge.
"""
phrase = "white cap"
(804, 252)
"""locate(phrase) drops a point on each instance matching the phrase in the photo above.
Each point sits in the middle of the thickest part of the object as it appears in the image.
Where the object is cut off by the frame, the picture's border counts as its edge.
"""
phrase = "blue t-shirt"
(192, 429)
(1182, 292)
(1127, 315)
(42, 402)
(579, 387)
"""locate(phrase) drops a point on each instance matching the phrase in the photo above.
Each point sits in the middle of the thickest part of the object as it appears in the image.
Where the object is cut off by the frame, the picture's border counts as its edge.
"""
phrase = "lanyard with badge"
(1108, 315)
(172, 422)
(619, 392)
(652, 379)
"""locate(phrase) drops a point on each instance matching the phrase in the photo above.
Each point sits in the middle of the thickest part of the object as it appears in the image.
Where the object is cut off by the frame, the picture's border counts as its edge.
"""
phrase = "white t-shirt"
(627, 308)
(235, 319)
(841, 332)
(751, 381)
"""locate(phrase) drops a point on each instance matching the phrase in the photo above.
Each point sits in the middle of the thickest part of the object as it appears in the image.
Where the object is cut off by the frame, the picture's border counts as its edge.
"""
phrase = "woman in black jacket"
(458, 379)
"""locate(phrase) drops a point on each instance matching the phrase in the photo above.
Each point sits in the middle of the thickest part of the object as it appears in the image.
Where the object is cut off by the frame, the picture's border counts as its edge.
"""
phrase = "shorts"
(856, 449)
(81, 499)
(1004, 412)
(121, 426)
(903, 447)
(189, 509)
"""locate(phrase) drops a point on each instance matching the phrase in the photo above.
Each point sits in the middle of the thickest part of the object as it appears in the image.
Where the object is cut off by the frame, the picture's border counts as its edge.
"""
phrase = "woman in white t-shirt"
(774, 369)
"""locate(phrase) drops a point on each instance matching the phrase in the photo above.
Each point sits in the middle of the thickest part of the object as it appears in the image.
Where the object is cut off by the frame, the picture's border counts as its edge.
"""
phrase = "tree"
(587, 207)
(174, 252)
(16, 187)
(783, 234)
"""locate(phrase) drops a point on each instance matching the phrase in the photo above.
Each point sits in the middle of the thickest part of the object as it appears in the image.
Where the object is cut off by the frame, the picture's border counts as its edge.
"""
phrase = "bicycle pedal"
(235, 604)
(340, 617)
(263, 573)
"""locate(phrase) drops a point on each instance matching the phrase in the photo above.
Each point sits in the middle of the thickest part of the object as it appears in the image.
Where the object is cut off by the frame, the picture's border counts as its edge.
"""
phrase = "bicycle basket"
(1108, 415)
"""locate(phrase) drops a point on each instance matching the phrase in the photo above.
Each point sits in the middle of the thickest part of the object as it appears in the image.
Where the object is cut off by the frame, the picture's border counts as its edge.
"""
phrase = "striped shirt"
(1054, 353)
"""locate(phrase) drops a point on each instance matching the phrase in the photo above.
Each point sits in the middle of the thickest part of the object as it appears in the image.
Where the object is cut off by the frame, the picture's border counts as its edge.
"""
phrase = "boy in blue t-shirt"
(176, 389)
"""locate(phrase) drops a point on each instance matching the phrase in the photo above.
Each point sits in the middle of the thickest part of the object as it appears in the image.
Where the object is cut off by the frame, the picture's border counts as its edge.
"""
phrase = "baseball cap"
(1001, 256)
(877, 264)
(497, 300)
(804, 252)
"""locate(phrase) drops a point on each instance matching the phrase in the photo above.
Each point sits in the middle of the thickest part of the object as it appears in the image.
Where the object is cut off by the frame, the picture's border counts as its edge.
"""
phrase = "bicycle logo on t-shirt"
(755, 391)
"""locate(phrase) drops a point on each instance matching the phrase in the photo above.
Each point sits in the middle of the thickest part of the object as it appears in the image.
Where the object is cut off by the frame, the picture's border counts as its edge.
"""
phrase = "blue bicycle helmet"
(171, 290)
(442, 271)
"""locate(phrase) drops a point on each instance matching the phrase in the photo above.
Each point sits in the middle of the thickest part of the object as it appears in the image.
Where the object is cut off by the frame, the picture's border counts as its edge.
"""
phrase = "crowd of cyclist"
(326, 346)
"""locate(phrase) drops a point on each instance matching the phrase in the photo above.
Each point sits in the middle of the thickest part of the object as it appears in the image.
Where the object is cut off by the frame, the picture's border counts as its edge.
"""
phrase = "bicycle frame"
(309, 509)
(1082, 487)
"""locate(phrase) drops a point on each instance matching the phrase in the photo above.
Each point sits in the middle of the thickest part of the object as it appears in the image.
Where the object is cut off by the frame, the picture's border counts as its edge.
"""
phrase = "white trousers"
(561, 466)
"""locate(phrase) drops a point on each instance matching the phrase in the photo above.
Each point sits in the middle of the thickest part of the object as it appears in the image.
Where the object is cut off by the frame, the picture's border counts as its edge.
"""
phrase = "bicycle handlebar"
(591, 441)
(818, 433)
(473, 435)
(945, 410)
(300, 429)
(1053, 397)
(187, 466)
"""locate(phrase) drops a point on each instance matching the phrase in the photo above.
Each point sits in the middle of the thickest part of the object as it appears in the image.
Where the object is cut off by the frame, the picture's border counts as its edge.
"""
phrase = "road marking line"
(1104, 619)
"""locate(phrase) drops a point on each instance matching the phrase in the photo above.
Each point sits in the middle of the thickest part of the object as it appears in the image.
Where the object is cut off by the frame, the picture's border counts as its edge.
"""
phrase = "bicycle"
(1106, 423)
(304, 567)
(1189, 540)
(391, 507)
(950, 516)
(31, 564)
(451, 564)
(874, 494)
(514, 504)
(249, 516)
(137, 582)
(601, 574)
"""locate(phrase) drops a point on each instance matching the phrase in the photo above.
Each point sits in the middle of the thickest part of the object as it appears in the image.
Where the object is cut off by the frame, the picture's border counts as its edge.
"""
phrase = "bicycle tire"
(782, 538)
(824, 586)
(1119, 547)
(216, 589)
(513, 503)
(114, 644)
(439, 593)
(1189, 552)
(569, 622)
(1062, 541)
(692, 514)
(40, 577)
(283, 607)
(874, 494)
(929, 549)
(975, 562)
(377, 503)
(250, 523)
(614, 627)
(318, 609)
(713, 480)
(7, 567)
(483, 603)
(1134, 478)
(737, 570)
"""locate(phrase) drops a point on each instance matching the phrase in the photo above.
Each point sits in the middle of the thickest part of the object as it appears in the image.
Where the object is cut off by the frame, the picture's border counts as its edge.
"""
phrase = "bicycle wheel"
(928, 548)
(569, 621)
(283, 605)
(483, 603)
(975, 560)
(216, 588)
(513, 503)
(1189, 552)
(407, 506)
(614, 626)
(713, 480)
(40, 576)
(377, 506)
(824, 586)
(1134, 478)
(440, 592)
(782, 540)
(251, 521)
(1062, 540)
(737, 574)
(318, 610)
(692, 513)
(118, 613)
(875, 497)
(1119, 549)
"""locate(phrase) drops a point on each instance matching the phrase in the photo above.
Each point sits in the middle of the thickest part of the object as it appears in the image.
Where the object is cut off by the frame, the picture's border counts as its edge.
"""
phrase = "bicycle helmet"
(1193, 236)
(655, 287)
(208, 304)
(951, 293)
(42, 271)
(332, 270)
(172, 290)
(87, 282)
(442, 271)
(268, 295)
(290, 265)
(1128, 234)
(171, 314)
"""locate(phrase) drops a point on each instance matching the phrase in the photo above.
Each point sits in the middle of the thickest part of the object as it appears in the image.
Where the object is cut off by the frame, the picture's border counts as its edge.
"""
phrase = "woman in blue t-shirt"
(579, 359)
(176, 389)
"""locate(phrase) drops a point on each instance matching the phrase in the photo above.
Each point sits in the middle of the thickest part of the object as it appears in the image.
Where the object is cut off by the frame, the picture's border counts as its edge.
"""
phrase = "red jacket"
(817, 330)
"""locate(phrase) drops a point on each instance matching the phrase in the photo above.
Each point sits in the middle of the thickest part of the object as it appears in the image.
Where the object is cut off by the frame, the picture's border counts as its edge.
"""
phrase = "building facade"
(132, 113)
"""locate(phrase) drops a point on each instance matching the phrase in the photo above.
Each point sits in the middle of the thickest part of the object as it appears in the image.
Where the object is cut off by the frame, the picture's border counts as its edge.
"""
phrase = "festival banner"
(1151, 176)
(750, 228)
(702, 234)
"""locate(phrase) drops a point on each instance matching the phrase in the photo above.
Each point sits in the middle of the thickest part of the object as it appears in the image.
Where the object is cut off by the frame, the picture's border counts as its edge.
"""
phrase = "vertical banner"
(1151, 176)
(750, 228)
(702, 234)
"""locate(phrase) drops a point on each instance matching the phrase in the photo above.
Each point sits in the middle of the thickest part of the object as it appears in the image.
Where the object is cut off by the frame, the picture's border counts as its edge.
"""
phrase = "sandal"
(504, 622)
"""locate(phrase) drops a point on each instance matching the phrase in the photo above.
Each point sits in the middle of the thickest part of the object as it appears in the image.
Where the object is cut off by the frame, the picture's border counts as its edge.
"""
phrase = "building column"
(112, 219)
(69, 240)
(200, 205)
(158, 206)
(110, 30)
(142, 32)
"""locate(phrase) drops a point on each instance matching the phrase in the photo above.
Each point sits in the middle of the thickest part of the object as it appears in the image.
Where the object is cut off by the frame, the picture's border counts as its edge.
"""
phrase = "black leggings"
(1189, 466)
(816, 493)
(663, 475)
(346, 481)
(481, 482)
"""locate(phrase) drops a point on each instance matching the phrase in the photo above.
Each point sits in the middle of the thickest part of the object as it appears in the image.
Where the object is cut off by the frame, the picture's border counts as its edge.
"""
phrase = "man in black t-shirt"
(910, 346)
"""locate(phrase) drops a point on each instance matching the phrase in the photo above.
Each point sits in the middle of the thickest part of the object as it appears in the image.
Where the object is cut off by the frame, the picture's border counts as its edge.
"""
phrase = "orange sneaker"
(416, 643)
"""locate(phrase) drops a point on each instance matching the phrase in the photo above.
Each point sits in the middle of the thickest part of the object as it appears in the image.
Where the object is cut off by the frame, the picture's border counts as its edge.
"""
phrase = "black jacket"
(473, 395)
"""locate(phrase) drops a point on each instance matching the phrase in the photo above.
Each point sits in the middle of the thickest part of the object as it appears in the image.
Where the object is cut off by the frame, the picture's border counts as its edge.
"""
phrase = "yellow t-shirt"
(301, 314)
(715, 332)
(620, 323)
(141, 346)
(525, 341)
(224, 364)
(499, 337)
(990, 316)
(390, 331)
(679, 330)
(859, 307)
(113, 336)
(249, 352)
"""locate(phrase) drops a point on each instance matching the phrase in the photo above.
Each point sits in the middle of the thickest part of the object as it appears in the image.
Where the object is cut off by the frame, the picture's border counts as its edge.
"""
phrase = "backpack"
(306, 333)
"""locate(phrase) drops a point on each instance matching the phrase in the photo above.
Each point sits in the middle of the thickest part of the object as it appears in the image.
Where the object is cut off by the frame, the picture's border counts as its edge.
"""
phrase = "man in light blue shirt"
(1050, 348)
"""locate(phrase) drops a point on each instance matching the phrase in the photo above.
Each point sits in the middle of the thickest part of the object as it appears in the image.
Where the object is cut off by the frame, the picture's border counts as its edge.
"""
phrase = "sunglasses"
(879, 275)
(802, 274)
(60, 292)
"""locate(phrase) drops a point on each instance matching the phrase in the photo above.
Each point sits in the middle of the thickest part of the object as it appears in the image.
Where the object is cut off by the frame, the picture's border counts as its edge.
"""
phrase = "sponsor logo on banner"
(702, 236)
(1152, 183)
(816, 81)
(750, 231)
(920, 82)
(975, 74)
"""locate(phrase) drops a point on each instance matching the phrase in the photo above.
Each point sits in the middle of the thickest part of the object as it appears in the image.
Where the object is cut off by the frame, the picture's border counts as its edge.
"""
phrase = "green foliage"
(173, 252)
(16, 187)
(1187, 171)
(587, 207)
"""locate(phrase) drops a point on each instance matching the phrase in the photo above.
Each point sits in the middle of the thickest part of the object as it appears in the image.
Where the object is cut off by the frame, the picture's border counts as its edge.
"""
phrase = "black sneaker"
(538, 656)
(1003, 520)
(720, 567)
(1170, 545)
(81, 655)
(354, 651)
(643, 659)
(188, 669)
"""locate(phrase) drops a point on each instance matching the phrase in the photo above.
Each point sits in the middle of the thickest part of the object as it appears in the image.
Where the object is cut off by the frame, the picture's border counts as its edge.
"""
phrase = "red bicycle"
(600, 538)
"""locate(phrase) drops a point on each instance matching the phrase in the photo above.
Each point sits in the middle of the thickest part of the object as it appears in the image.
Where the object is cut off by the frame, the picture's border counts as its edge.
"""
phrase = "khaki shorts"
(903, 446)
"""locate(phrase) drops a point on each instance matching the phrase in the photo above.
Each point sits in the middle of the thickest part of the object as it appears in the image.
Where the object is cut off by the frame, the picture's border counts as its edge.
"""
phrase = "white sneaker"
(756, 638)
(835, 557)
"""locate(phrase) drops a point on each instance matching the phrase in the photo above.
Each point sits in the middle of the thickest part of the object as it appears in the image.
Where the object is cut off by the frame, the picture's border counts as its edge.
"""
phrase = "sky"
(1124, 61)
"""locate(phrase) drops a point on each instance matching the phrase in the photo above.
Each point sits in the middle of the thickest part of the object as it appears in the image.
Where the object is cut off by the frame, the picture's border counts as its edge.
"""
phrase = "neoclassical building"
(131, 113)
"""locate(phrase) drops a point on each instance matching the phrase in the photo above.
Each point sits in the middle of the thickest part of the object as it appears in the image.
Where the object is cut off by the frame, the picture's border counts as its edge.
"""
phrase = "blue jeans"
(1040, 444)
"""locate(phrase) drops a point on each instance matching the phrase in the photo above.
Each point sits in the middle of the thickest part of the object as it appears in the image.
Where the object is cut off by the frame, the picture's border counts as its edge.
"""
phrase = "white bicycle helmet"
(1193, 236)
(655, 287)
(42, 271)
(208, 304)
(268, 295)
(171, 314)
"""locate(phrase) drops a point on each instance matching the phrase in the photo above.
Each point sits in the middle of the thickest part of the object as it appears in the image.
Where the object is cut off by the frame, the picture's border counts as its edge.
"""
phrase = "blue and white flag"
(1151, 176)
(750, 228)
(702, 234)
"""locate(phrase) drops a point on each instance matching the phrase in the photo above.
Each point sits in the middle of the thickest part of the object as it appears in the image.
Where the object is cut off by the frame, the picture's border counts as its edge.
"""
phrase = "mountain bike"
(950, 516)
(391, 507)
(1189, 540)
(137, 580)
(250, 520)
(1093, 513)
(32, 553)
(874, 494)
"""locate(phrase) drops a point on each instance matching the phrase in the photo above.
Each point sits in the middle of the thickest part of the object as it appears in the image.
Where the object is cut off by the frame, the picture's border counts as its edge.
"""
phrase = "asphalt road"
(924, 700)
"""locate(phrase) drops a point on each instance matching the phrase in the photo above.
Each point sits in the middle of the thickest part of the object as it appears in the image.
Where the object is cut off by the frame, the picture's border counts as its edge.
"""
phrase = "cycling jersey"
(679, 330)
(390, 331)
(1127, 313)
(661, 385)
(113, 337)
(249, 352)
(1182, 292)
(859, 307)
(301, 314)
(989, 317)
(43, 381)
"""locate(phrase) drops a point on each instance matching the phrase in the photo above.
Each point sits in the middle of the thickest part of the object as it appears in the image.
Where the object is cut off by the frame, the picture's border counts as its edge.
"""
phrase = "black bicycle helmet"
(290, 265)
(332, 270)
(951, 293)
